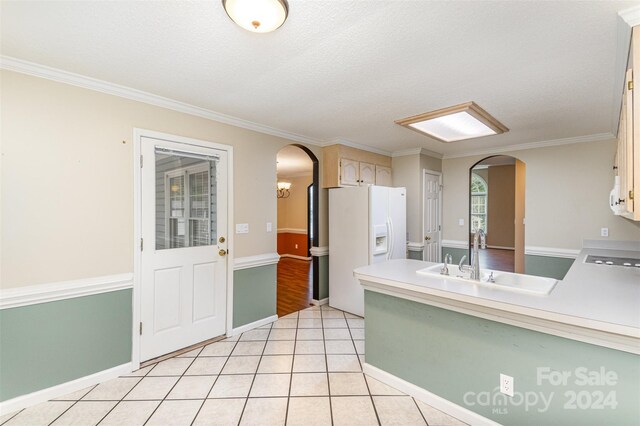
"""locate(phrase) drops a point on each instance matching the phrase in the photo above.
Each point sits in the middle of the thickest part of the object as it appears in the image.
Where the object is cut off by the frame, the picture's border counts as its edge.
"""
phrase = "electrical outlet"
(296, 246)
(604, 232)
(506, 384)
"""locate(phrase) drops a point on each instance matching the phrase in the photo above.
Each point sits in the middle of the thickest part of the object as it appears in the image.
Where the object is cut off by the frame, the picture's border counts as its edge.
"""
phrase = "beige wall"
(67, 179)
(501, 206)
(567, 189)
(407, 172)
(292, 211)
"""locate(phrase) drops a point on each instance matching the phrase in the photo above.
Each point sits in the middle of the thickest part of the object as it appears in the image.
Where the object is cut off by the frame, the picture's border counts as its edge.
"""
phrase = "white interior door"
(431, 220)
(183, 263)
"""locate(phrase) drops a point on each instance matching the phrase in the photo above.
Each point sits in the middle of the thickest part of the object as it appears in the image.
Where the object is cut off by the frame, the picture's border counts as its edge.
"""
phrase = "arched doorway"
(298, 188)
(497, 206)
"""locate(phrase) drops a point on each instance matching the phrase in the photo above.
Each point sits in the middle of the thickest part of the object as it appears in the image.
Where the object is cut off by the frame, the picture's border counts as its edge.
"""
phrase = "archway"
(497, 205)
(298, 212)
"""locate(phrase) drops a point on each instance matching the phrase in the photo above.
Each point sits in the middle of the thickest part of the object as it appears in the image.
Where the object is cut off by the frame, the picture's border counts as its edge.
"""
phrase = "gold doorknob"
(221, 239)
(427, 238)
(222, 252)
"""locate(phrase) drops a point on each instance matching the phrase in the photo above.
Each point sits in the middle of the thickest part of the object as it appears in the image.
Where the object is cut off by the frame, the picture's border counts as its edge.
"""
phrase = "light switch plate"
(242, 228)
(461, 222)
(269, 227)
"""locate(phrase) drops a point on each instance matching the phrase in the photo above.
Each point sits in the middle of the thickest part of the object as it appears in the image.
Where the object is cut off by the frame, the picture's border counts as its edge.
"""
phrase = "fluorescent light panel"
(456, 123)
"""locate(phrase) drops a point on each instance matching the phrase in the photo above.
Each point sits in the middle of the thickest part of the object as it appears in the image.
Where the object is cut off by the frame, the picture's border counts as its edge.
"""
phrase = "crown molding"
(346, 142)
(61, 76)
(417, 151)
(598, 137)
(631, 16)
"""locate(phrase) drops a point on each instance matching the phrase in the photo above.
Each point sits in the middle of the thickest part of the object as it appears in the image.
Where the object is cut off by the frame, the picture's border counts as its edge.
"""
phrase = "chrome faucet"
(475, 258)
(445, 269)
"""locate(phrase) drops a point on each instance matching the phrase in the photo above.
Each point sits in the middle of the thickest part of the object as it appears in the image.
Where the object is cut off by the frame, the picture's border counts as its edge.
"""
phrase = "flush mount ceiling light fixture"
(456, 123)
(258, 16)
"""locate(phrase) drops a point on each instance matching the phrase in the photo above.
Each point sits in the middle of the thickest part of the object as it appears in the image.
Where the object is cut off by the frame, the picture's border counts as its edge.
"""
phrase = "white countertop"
(597, 297)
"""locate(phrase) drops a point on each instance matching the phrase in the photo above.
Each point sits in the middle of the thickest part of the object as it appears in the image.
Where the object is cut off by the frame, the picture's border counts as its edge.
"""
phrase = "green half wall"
(48, 344)
(460, 357)
(254, 294)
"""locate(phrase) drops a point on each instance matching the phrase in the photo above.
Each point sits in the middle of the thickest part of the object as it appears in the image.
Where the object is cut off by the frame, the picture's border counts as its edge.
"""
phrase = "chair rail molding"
(319, 251)
(50, 292)
(255, 261)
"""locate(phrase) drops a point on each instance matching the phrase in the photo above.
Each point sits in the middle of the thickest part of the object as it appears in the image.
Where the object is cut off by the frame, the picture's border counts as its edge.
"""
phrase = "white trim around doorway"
(138, 134)
(439, 174)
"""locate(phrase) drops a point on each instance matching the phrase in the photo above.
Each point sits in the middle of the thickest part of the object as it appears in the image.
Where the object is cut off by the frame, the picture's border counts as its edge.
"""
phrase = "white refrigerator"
(366, 225)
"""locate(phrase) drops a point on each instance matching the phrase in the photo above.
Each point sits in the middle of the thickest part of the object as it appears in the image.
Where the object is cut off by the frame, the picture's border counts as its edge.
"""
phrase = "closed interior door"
(184, 268)
(431, 224)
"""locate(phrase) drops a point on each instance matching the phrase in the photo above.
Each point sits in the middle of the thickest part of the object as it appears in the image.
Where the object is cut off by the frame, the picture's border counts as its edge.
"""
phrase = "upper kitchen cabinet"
(383, 175)
(346, 166)
(627, 163)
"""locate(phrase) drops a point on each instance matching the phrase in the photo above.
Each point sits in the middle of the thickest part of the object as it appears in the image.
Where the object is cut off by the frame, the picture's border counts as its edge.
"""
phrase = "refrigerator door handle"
(389, 238)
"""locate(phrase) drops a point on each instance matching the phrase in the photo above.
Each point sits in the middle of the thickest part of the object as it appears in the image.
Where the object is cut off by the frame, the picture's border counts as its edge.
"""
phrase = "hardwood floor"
(294, 290)
(496, 259)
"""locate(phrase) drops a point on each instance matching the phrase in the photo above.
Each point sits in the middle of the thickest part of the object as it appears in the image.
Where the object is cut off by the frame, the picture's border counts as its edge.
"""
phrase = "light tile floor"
(304, 369)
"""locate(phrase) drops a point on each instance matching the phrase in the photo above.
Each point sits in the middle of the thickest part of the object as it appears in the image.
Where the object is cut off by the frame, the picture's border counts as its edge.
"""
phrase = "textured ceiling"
(346, 69)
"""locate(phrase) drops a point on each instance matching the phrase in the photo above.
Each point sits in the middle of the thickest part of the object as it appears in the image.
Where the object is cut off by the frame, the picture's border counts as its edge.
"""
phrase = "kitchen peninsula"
(574, 354)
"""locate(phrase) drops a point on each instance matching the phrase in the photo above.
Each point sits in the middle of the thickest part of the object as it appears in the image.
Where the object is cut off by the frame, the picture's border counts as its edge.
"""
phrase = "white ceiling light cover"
(455, 123)
(454, 127)
(258, 16)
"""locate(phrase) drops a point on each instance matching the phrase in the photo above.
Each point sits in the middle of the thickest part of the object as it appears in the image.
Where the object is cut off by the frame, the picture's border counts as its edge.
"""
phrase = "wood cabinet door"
(367, 174)
(383, 175)
(349, 172)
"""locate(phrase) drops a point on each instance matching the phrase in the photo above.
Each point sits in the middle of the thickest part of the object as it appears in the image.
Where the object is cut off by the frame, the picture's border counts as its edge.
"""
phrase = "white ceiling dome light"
(258, 16)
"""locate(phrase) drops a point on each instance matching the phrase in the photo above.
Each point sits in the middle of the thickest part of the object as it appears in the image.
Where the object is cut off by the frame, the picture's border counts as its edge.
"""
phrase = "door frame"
(426, 172)
(138, 134)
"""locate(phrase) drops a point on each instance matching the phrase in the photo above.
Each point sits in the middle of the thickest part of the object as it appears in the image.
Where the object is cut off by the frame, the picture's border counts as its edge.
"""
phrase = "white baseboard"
(427, 397)
(252, 325)
(321, 302)
(24, 401)
(293, 256)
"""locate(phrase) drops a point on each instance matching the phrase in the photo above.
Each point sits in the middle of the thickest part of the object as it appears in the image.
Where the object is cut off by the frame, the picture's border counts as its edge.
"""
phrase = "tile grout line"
(420, 411)
(364, 376)
(16, 413)
(72, 405)
(129, 391)
(246, 401)
(326, 362)
(217, 377)
(293, 358)
(172, 387)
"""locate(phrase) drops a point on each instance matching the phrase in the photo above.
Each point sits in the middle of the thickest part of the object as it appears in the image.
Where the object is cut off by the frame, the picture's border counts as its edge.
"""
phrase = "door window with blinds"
(185, 199)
